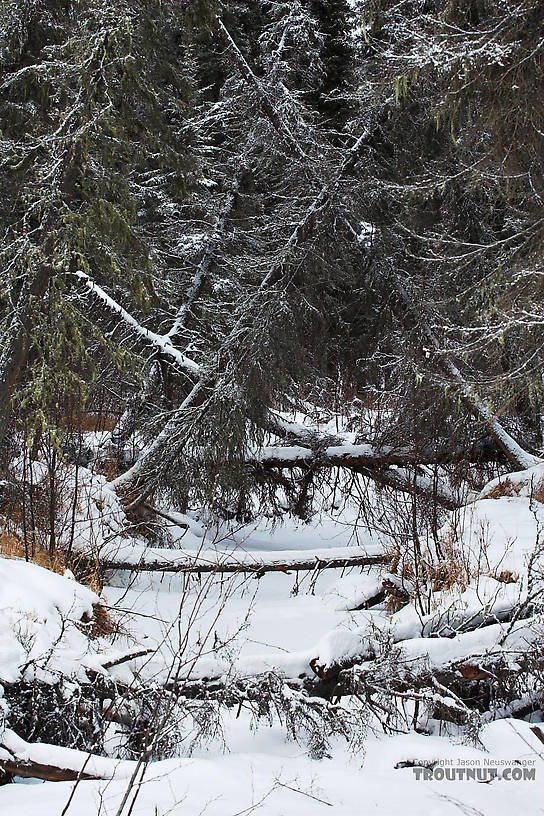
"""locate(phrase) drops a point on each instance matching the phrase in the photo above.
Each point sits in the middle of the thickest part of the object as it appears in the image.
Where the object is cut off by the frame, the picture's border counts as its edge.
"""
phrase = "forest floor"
(243, 625)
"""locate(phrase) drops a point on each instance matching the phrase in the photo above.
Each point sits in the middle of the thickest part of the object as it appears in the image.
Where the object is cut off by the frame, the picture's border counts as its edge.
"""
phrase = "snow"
(214, 626)
(265, 625)
(352, 591)
(497, 535)
(521, 483)
(139, 556)
(160, 341)
(263, 774)
(346, 451)
(39, 613)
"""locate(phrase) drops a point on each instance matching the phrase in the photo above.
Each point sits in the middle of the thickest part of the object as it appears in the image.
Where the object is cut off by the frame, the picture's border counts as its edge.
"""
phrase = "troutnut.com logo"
(477, 770)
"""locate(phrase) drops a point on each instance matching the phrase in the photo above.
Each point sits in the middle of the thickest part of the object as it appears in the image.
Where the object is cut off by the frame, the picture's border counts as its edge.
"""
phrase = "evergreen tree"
(95, 158)
(453, 197)
(262, 222)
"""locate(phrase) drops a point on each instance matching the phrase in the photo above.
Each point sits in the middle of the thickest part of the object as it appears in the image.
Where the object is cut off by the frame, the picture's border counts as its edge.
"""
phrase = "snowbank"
(41, 635)
(266, 776)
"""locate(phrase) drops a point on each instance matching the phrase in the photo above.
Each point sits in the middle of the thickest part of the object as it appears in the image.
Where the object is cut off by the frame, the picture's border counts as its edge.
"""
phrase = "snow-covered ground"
(272, 621)
(243, 625)
(41, 629)
(262, 773)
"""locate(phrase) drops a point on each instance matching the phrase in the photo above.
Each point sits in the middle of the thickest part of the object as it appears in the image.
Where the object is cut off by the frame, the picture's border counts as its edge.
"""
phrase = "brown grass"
(538, 494)
(504, 488)
(508, 488)
(103, 624)
(12, 546)
(506, 577)
(88, 421)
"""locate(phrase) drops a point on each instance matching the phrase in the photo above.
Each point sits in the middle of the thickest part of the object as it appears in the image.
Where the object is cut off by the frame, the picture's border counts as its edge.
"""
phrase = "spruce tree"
(95, 157)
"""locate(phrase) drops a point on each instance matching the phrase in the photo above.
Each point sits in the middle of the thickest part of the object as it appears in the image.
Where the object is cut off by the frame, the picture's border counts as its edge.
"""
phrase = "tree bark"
(37, 770)
(180, 561)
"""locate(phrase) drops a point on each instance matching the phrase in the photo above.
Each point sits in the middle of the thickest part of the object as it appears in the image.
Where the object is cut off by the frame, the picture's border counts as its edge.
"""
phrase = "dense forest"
(271, 307)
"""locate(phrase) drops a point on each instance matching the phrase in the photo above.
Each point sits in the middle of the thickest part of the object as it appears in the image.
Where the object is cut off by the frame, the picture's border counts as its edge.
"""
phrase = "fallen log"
(342, 453)
(432, 653)
(506, 684)
(53, 763)
(36, 770)
(485, 683)
(315, 450)
(150, 559)
(481, 655)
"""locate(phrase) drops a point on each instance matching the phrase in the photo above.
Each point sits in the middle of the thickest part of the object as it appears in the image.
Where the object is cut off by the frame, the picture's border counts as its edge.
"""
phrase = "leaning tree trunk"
(130, 418)
(515, 454)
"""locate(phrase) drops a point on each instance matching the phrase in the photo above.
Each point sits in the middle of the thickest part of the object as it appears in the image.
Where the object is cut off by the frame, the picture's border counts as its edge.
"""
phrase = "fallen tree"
(398, 469)
(356, 456)
(54, 763)
(488, 671)
(31, 769)
(513, 451)
(151, 559)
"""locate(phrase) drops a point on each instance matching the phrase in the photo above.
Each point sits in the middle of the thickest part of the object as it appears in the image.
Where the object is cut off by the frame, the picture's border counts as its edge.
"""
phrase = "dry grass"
(12, 546)
(451, 570)
(103, 624)
(538, 493)
(454, 569)
(508, 488)
(108, 467)
(446, 574)
(88, 421)
(504, 488)
(506, 577)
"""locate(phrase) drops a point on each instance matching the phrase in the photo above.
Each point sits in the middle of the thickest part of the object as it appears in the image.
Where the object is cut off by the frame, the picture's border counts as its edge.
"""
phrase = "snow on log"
(484, 603)
(132, 557)
(343, 455)
(38, 770)
(54, 763)
(379, 464)
(313, 451)
(490, 655)
(465, 657)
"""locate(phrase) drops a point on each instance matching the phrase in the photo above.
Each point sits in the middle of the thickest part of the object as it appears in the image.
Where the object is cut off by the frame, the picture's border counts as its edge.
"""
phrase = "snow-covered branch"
(161, 342)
